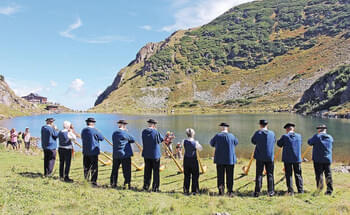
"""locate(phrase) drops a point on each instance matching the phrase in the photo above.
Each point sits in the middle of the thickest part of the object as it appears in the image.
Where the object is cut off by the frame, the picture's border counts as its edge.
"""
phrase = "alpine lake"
(241, 125)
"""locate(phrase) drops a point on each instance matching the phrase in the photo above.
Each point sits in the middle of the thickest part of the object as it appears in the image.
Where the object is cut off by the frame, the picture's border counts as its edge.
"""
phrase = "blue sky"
(70, 51)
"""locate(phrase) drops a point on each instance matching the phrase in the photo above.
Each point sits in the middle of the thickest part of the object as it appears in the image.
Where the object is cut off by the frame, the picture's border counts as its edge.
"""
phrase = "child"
(191, 167)
(26, 137)
(19, 139)
(178, 153)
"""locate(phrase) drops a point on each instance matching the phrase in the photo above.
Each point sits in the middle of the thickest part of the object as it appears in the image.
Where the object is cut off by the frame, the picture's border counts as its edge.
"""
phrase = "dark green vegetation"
(244, 36)
(259, 56)
(25, 191)
(328, 92)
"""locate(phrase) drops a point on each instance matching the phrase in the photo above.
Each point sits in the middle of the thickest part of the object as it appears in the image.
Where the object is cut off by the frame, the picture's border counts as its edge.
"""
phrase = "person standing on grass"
(19, 140)
(91, 149)
(26, 139)
(151, 153)
(322, 156)
(225, 158)
(291, 156)
(49, 134)
(264, 140)
(191, 167)
(13, 138)
(65, 148)
(122, 153)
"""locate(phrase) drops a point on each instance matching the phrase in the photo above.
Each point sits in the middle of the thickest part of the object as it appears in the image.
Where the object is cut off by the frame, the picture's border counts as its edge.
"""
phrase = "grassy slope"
(309, 64)
(24, 191)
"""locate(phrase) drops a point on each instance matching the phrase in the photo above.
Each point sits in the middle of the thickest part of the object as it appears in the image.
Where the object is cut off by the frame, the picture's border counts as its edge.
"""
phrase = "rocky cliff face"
(327, 93)
(12, 105)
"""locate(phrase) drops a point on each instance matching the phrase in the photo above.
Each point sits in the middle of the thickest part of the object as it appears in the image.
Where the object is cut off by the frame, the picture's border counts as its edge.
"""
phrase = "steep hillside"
(12, 105)
(329, 93)
(259, 56)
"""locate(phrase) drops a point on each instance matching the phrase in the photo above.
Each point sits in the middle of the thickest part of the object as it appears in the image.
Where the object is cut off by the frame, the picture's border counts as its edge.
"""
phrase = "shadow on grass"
(31, 174)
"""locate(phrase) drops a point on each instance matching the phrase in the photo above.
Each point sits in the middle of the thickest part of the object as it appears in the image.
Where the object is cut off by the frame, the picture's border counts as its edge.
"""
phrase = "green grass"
(25, 191)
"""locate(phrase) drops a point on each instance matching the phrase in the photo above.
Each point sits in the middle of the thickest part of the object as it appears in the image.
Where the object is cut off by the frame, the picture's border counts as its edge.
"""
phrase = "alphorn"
(138, 168)
(109, 162)
(203, 168)
(172, 157)
(246, 168)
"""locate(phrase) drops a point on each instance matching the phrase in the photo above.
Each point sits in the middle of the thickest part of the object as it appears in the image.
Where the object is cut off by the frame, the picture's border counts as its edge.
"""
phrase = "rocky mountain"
(259, 56)
(331, 92)
(12, 105)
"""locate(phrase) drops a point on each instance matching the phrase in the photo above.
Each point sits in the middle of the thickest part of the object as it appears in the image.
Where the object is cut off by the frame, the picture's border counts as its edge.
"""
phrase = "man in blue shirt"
(322, 156)
(122, 153)
(264, 140)
(49, 134)
(291, 156)
(225, 158)
(151, 153)
(91, 149)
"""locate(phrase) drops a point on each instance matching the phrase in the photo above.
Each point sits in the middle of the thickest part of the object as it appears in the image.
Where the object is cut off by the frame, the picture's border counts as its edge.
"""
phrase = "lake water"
(242, 125)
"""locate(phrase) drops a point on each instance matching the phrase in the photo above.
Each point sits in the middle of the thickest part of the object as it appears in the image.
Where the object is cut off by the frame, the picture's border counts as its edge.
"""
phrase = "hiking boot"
(230, 194)
(68, 180)
(94, 184)
(256, 194)
(156, 190)
(113, 186)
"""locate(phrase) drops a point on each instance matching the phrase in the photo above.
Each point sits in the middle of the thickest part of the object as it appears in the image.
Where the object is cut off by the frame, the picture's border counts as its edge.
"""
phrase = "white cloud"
(77, 85)
(68, 33)
(200, 13)
(9, 10)
(146, 27)
(53, 84)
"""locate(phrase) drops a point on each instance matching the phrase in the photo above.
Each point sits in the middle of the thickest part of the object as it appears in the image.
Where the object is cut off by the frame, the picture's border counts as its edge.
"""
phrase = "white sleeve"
(199, 146)
(71, 136)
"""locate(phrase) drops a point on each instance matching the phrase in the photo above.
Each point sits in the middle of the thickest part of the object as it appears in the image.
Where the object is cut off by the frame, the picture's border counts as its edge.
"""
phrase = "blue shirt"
(91, 137)
(265, 145)
(48, 137)
(322, 148)
(291, 144)
(225, 153)
(151, 140)
(121, 144)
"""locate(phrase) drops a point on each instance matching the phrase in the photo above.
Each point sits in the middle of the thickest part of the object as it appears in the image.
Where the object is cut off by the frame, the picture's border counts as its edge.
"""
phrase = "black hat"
(289, 124)
(90, 119)
(122, 122)
(263, 122)
(321, 127)
(152, 121)
(224, 124)
(50, 120)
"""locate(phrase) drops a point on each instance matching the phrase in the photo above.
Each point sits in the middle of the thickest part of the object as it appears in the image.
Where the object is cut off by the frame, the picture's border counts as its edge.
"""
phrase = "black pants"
(65, 161)
(151, 165)
(325, 168)
(27, 145)
(126, 165)
(269, 165)
(90, 163)
(191, 169)
(221, 170)
(289, 168)
(49, 161)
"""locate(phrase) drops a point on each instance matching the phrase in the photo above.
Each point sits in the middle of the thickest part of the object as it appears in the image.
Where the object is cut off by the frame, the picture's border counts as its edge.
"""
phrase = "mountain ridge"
(259, 56)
